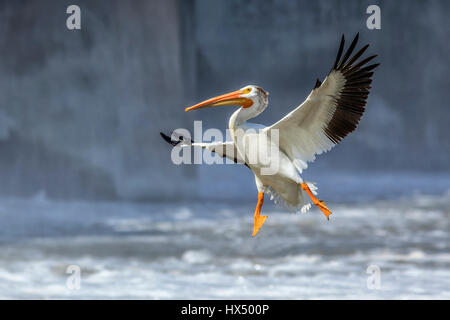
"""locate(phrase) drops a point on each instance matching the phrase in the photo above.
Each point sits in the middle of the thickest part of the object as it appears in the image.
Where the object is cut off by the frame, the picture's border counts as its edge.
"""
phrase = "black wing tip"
(318, 84)
(348, 52)
(342, 43)
(169, 140)
(351, 103)
(372, 66)
(347, 61)
(339, 54)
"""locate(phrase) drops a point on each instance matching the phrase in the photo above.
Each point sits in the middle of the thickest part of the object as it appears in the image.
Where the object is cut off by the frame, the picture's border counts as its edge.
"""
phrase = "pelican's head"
(252, 99)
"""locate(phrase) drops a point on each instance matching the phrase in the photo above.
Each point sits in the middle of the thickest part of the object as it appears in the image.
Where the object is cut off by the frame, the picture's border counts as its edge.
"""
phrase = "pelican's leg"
(322, 206)
(259, 219)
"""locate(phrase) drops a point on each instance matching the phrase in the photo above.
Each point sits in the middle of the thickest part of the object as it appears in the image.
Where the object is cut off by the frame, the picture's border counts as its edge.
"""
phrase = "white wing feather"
(223, 149)
(330, 112)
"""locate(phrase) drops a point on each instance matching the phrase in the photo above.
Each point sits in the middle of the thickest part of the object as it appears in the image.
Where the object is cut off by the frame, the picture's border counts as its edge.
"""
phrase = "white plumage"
(278, 154)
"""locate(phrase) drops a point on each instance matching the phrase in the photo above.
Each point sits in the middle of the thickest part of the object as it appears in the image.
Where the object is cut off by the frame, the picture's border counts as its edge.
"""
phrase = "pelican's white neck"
(240, 116)
(236, 119)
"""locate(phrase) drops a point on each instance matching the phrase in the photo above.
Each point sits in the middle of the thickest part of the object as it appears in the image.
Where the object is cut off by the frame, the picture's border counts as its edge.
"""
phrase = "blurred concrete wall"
(80, 111)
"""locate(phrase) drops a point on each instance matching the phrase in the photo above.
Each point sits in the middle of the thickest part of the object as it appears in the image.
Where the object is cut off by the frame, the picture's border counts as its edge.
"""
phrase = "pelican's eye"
(247, 90)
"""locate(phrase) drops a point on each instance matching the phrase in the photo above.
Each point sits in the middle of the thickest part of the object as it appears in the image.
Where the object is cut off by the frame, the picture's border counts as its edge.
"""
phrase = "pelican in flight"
(330, 112)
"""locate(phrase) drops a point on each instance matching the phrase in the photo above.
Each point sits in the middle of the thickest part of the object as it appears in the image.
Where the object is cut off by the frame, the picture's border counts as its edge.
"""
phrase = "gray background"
(81, 111)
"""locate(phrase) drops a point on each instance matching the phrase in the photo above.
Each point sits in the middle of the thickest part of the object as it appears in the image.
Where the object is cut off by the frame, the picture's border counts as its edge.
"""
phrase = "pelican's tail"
(312, 186)
(297, 201)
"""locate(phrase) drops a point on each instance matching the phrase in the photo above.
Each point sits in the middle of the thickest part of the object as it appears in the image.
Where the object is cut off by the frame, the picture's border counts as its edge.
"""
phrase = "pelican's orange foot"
(259, 221)
(323, 207)
(319, 203)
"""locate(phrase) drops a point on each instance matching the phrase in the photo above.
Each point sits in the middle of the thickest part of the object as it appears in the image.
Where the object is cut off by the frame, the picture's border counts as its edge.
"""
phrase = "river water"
(204, 250)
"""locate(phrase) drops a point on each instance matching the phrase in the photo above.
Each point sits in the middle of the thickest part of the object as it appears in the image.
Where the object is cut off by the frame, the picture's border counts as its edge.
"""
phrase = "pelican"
(332, 110)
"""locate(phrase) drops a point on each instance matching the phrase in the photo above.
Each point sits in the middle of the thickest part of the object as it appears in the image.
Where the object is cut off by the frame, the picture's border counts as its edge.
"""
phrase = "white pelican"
(330, 112)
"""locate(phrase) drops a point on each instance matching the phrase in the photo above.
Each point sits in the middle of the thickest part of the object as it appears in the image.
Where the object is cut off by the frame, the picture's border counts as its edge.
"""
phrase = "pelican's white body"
(330, 112)
(275, 173)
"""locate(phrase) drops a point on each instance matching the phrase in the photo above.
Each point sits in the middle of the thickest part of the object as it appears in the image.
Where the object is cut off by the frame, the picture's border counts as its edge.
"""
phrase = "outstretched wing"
(223, 149)
(331, 111)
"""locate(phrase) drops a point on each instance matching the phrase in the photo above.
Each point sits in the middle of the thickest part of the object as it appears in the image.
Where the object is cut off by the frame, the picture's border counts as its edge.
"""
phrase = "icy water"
(204, 250)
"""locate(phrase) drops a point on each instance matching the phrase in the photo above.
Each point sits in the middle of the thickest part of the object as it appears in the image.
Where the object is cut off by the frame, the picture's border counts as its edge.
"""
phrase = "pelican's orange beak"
(229, 99)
